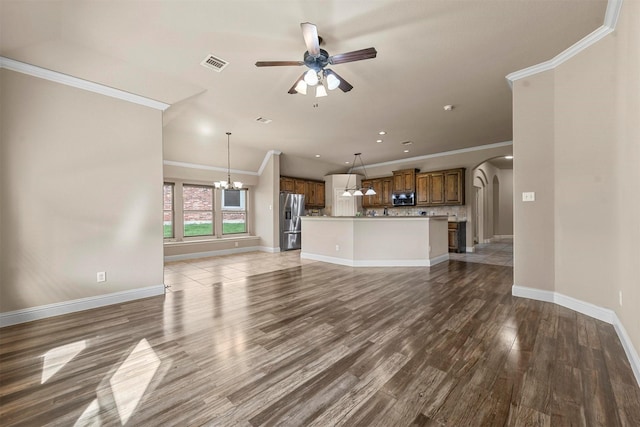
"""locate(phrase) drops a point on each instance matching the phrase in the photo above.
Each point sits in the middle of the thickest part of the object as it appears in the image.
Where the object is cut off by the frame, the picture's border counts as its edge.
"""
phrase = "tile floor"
(180, 275)
(498, 252)
(202, 272)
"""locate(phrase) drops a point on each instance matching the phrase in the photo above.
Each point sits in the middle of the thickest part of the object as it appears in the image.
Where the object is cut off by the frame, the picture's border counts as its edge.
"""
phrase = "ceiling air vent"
(407, 143)
(214, 63)
(263, 120)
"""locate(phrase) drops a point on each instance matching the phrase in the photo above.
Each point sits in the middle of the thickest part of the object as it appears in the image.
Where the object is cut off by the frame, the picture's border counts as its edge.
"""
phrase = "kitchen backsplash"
(458, 211)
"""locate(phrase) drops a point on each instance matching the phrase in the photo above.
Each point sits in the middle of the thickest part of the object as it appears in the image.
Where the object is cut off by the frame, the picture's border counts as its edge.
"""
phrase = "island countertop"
(382, 241)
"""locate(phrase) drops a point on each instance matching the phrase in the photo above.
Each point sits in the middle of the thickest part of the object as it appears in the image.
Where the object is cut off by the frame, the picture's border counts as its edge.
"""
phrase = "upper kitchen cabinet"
(313, 191)
(382, 187)
(440, 188)
(404, 181)
(314, 194)
(286, 185)
(454, 186)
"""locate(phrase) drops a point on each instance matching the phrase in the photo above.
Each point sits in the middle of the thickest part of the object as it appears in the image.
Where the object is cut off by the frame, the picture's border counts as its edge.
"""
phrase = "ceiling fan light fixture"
(332, 81)
(320, 91)
(311, 78)
(301, 87)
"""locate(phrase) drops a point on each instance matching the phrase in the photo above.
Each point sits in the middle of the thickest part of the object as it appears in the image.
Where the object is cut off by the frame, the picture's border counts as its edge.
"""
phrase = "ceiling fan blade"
(277, 63)
(310, 34)
(293, 90)
(344, 85)
(356, 55)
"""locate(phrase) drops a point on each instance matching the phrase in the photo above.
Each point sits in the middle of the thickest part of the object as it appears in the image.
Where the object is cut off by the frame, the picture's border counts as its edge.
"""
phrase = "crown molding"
(266, 160)
(441, 154)
(206, 167)
(65, 79)
(610, 21)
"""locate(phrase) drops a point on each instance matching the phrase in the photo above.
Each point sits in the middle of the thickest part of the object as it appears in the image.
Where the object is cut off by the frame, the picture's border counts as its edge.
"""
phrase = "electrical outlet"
(102, 276)
(620, 298)
(337, 248)
(528, 196)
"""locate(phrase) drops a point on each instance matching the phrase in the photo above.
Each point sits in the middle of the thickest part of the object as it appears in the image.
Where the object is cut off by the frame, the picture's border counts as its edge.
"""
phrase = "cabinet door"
(309, 193)
(454, 187)
(286, 185)
(453, 240)
(377, 187)
(367, 201)
(422, 189)
(300, 186)
(436, 188)
(320, 194)
(398, 182)
(387, 191)
(409, 181)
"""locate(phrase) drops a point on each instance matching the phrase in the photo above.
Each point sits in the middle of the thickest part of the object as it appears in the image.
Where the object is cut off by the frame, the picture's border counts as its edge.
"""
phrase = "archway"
(496, 206)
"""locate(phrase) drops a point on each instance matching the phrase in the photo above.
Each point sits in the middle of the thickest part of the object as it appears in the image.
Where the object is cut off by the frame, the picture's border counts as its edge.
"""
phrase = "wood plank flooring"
(265, 339)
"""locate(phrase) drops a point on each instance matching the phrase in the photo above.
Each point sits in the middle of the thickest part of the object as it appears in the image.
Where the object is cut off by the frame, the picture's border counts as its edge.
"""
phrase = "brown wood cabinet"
(404, 181)
(457, 237)
(387, 191)
(314, 191)
(440, 188)
(382, 187)
(286, 185)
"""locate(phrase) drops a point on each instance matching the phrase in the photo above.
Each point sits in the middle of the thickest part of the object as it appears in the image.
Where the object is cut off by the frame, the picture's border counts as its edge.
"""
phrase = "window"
(168, 213)
(197, 210)
(234, 211)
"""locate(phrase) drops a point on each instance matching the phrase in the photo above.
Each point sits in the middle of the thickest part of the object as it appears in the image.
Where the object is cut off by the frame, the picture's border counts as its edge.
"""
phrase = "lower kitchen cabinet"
(457, 237)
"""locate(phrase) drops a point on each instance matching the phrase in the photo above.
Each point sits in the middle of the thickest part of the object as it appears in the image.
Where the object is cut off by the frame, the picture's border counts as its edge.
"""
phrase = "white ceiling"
(430, 53)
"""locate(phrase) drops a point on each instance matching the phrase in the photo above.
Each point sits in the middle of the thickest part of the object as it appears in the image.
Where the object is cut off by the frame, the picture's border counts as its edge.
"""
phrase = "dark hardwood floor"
(320, 345)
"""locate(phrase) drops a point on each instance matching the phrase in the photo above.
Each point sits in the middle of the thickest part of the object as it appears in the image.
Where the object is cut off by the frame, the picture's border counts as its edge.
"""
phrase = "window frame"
(244, 197)
(187, 211)
(172, 210)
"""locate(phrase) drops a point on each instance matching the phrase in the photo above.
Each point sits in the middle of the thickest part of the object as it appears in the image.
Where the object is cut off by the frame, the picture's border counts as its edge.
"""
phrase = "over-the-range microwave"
(403, 199)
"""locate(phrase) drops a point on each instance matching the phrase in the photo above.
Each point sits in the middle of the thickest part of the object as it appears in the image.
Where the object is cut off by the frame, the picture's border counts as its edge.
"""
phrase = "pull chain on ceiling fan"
(316, 59)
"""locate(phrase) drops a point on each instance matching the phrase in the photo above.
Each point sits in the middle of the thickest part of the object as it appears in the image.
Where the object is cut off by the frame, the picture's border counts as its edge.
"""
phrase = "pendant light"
(225, 185)
(355, 191)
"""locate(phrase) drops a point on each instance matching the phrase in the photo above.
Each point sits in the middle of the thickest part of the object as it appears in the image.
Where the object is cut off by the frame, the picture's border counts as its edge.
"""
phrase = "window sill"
(208, 240)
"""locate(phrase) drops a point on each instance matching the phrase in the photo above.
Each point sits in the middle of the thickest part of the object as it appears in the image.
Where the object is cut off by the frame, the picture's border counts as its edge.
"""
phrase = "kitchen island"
(384, 241)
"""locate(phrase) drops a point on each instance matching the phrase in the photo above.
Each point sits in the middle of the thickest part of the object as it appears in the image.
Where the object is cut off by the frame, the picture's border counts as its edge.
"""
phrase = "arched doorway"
(496, 206)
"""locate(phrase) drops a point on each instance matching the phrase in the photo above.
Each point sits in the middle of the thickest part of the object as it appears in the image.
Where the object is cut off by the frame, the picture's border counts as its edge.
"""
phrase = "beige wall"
(266, 206)
(81, 178)
(576, 143)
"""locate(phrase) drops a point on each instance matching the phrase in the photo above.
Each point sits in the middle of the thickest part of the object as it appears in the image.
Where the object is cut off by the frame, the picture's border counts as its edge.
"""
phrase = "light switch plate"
(528, 196)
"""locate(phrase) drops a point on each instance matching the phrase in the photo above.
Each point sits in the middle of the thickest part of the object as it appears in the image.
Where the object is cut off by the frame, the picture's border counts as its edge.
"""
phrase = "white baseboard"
(503, 236)
(207, 254)
(376, 262)
(41, 312)
(591, 310)
(268, 249)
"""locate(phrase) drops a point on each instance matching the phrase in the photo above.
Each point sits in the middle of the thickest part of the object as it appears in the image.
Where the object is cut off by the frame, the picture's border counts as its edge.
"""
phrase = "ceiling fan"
(316, 60)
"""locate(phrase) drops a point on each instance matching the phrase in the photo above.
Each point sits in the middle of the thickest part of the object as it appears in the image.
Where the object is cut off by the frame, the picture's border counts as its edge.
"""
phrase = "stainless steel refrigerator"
(291, 209)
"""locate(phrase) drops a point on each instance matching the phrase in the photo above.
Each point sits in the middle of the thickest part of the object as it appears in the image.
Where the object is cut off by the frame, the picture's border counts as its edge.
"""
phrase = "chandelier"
(355, 191)
(225, 185)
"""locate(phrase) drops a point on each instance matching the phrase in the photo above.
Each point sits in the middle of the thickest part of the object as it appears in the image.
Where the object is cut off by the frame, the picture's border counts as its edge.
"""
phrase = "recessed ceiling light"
(382, 132)
(317, 155)
(508, 157)
(406, 151)
(448, 107)
(378, 140)
(346, 163)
